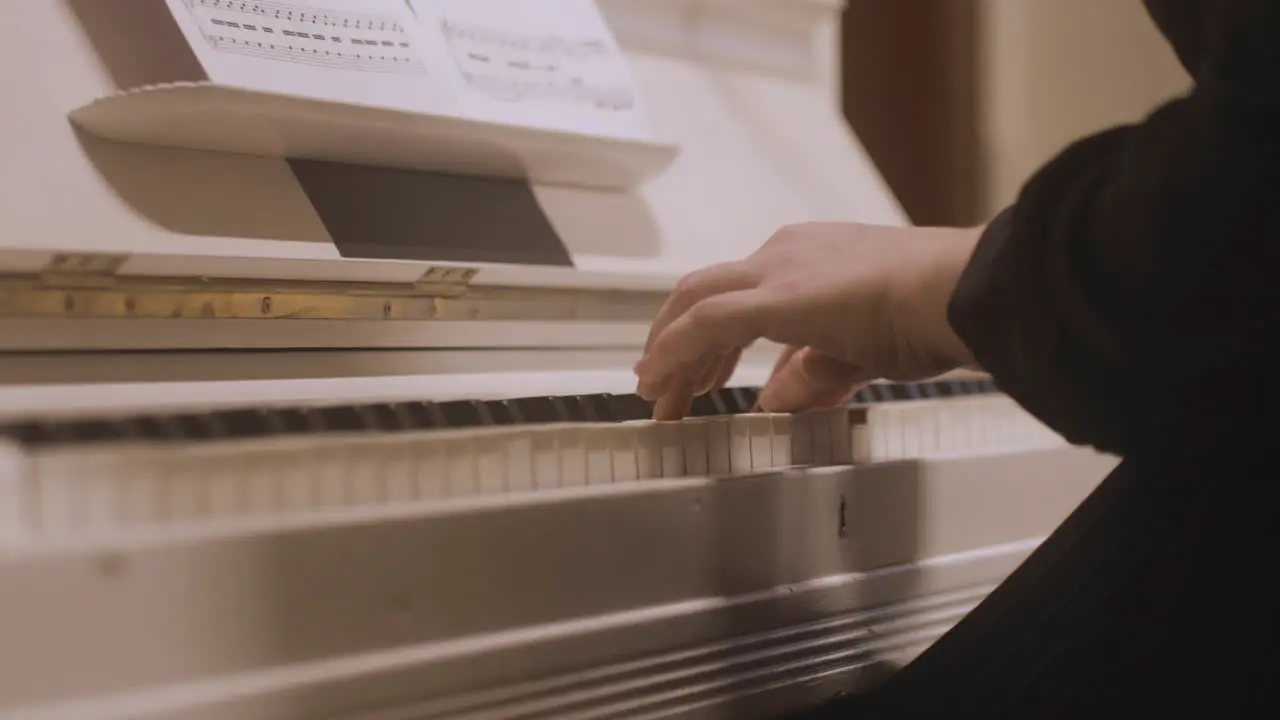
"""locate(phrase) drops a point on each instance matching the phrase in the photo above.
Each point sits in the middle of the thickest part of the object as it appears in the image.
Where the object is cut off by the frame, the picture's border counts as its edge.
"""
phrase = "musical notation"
(316, 34)
(519, 67)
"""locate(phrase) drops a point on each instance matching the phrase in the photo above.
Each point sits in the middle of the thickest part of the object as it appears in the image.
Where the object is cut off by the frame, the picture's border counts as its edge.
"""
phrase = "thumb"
(809, 379)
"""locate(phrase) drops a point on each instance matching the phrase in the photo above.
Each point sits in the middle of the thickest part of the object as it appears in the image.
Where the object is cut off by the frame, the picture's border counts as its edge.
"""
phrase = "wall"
(1051, 71)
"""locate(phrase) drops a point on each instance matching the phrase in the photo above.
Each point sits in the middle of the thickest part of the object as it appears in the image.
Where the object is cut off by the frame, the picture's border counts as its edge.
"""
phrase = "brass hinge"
(81, 270)
(88, 286)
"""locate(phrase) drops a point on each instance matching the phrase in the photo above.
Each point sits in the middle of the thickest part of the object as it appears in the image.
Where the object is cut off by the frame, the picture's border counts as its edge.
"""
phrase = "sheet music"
(373, 52)
(548, 63)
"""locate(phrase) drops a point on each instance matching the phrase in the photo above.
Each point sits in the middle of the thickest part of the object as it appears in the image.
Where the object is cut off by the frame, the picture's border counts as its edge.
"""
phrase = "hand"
(853, 303)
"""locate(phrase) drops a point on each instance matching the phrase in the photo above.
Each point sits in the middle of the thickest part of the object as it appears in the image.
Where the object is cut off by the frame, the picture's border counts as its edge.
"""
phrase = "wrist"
(949, 257)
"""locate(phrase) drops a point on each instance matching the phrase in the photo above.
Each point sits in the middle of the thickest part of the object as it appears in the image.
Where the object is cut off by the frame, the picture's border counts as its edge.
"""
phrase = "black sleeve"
(1132, 289)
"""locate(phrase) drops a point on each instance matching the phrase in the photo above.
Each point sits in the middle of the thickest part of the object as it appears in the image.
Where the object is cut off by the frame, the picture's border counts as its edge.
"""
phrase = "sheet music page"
(373, 52)
(544, 63)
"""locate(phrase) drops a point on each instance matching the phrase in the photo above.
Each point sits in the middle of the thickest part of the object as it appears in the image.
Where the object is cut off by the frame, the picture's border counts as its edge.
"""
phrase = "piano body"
(305, 439)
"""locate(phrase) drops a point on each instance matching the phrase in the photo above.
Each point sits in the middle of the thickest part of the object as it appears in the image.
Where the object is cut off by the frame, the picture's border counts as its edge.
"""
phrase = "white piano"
(350, 435)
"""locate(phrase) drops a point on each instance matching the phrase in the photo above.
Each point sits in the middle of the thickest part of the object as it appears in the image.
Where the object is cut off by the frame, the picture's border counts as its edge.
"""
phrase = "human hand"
(852, 302)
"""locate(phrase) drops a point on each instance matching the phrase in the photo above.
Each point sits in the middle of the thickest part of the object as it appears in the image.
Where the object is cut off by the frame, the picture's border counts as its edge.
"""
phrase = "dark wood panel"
(910, 93)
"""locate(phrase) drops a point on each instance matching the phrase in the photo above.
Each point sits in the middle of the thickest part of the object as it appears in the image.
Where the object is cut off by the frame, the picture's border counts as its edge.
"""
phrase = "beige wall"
(1054, 70)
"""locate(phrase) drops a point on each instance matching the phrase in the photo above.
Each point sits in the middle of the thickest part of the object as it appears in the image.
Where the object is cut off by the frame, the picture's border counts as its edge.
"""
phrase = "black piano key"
(623, 408)
(294, 421)
(340, 418)
(595, 408)
(705, 406)
(416, 415)
(537, 409)
(728, 401)
(384, 416)
(463, 413)
(747, 398)
(192, 426)
(29, 433)
(570, 409)
(246, 423)
(500, 412)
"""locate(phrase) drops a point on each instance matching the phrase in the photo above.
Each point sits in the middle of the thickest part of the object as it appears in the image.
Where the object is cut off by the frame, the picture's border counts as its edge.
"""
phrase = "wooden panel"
(909, 80)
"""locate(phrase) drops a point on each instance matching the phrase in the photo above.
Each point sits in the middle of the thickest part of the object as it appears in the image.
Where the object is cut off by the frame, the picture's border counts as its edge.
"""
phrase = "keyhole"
(844, 525)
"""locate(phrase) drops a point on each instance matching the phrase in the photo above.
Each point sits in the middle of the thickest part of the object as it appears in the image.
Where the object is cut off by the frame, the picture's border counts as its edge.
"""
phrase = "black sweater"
(1131, 292)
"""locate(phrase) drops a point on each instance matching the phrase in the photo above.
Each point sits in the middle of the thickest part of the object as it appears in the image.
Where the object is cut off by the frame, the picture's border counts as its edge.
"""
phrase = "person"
(1129, 299)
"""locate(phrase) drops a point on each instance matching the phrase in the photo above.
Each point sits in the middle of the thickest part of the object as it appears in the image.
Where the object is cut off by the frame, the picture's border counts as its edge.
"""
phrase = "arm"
(1139, 265)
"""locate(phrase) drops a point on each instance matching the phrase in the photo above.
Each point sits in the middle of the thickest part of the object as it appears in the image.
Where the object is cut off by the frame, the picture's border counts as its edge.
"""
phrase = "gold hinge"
(81, 270)
(88, 286)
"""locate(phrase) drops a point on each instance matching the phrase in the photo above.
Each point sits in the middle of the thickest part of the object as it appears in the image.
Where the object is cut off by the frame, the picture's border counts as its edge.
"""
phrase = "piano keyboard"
(78, 478)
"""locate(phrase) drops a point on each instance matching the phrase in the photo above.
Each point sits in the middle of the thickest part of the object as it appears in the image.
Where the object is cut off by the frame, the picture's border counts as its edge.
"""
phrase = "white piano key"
(546, 458)
(491, 464)
(927, 424)
(431, 453)
(225, 486)
(740, 459)
(185, 499)
(400, 476)
(331, 476)
(460, 465)
(894, 439)
(648, 436)
(671, 439)
(909, 421)
(719, 462)
(60, 506)
(518, 449)
(297, 486)
(696, 452)
(573, 455)
(760, 428)
(781, 439)
(839, 425)
(599, 456)
(802, 439)
(820, 433)
(261, 487)
(624, 452)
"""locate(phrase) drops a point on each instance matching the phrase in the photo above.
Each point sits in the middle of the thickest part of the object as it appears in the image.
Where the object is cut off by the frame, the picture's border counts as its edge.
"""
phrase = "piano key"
(464, 414)
(538, 410)
(629, 407)
(599, 455)
(624, 445)
(491, 463)
(572, 448)
(740, 458)
(705, 406)
(719, 446)
(649, 448)
(671, 439)
(781, 440)
(98, 488)
(518, 453)
(696, 452)
(546, 458)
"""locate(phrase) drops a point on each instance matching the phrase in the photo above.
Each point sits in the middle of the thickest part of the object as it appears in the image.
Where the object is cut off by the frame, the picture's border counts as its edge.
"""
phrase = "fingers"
(674, 404)
(718, 325)
(696, 287)
(808, 379)
(723, 371)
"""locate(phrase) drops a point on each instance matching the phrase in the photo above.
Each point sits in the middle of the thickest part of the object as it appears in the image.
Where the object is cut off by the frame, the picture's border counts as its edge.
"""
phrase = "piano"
(291, 438)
